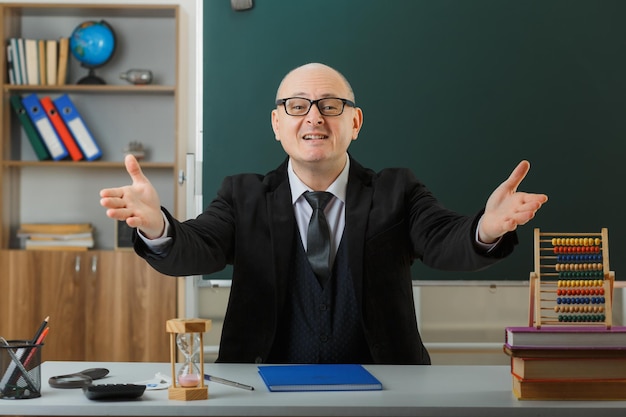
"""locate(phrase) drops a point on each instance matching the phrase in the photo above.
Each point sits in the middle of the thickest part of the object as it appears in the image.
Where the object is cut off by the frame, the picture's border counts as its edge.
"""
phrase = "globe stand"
(91, 78)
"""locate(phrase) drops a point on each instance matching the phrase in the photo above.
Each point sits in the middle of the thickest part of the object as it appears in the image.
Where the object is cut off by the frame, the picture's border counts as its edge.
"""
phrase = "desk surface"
(408, 391)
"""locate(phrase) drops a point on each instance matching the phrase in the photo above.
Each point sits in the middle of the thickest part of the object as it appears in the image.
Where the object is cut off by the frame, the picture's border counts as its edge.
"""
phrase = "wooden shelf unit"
(104, 304)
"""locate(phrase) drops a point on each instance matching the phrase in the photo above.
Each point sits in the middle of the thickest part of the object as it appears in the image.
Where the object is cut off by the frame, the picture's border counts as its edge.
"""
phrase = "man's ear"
(357, 122)
(274, 119)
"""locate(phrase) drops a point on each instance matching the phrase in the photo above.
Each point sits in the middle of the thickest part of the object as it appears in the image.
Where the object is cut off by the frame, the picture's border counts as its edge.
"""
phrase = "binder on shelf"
(44, 127)
(77, 126)
(29, 128)
(61, 129)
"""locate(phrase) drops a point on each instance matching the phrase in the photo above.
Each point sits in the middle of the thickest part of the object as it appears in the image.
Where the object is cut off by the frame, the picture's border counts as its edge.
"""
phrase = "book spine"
(41, 47)
(22, 60)
(10, 69)
(63, 55)
(15, 55)
(51, 61)
(32, 61)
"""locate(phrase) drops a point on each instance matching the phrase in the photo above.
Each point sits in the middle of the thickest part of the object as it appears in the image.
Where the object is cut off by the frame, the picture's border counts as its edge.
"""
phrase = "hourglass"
(186, 337)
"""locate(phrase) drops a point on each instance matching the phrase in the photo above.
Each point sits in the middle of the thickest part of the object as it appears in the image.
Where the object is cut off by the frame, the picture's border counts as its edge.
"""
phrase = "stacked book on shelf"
(37, 61)
(567, 362)
(55, 128)
(56, 236)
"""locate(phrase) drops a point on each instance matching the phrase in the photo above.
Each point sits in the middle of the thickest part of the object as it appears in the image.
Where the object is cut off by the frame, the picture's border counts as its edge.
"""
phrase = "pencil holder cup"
(20, 370)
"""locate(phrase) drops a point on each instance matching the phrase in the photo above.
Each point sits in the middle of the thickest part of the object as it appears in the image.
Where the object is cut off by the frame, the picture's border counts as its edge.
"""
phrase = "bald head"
(313, 72)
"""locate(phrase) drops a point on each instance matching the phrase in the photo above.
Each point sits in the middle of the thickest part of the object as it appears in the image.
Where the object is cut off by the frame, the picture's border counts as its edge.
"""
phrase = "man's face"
(315, 138)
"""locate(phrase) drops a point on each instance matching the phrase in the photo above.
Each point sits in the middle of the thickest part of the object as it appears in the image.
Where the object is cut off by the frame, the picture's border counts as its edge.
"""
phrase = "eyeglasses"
(299, 106)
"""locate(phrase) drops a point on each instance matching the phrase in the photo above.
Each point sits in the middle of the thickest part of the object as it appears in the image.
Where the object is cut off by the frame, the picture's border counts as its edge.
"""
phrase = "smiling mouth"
(314, 137)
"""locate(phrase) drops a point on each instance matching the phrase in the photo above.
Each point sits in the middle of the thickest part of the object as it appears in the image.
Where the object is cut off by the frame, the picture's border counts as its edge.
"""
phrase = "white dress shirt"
(335, 209)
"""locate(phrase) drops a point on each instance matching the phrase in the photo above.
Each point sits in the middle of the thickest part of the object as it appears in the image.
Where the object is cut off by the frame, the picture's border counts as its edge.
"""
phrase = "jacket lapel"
(358, 203)
(282, 230)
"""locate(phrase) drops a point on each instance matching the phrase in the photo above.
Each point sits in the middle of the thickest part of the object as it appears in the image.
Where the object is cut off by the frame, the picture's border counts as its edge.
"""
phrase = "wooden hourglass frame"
(183, 326)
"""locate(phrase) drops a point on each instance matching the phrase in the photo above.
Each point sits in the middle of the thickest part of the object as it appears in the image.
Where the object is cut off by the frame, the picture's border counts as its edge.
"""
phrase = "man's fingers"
(134, 170)
(112, 202)
(118, 213)
(518, 174)
(111, 193)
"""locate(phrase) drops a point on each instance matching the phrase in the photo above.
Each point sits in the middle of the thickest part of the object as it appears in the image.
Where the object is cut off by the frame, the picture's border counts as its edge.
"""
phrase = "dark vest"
(320, 325)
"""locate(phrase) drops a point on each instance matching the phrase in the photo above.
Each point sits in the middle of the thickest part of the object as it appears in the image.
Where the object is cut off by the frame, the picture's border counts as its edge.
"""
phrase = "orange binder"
(62, 130)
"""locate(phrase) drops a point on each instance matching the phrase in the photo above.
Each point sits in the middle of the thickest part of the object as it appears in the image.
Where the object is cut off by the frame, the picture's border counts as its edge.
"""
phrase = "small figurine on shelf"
(136, 149)
(137, 76)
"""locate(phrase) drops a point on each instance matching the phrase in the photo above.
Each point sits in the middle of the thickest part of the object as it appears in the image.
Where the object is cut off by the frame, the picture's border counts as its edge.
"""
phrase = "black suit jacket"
(391, 220)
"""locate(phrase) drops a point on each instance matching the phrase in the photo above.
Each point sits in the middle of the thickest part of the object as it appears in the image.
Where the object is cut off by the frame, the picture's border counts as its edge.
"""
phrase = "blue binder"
(43, 125)
(77, 126)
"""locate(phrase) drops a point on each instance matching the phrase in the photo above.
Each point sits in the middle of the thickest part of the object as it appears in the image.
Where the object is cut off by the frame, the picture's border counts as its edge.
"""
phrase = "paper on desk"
(160, 381)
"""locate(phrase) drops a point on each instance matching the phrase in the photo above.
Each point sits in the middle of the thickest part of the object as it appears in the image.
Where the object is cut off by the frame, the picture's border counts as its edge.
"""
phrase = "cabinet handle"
(94, 264)
(77, 264)
(181, 177)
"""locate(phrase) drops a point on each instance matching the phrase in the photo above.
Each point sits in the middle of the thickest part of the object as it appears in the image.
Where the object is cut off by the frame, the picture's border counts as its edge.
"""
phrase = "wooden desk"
(480, 391)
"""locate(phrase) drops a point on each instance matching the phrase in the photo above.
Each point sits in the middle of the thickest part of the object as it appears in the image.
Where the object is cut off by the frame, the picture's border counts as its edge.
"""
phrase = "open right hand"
(138, 204)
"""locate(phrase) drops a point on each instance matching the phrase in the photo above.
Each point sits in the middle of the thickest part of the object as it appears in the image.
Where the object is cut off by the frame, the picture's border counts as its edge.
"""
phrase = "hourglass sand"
(188, 375)
(186, 336)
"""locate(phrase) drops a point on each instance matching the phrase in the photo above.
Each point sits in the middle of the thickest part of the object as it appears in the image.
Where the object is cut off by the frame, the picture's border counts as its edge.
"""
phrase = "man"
(282, 309)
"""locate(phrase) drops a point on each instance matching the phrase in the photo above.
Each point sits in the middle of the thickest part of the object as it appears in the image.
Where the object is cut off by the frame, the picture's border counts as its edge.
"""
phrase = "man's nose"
(314, 116)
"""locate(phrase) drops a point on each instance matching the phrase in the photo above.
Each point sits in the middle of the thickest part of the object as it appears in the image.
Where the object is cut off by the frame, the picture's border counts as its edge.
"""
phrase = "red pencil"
(39, 341)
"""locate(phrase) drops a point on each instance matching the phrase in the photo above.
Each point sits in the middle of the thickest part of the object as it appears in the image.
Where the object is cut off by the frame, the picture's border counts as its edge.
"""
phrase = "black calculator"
(114, 391)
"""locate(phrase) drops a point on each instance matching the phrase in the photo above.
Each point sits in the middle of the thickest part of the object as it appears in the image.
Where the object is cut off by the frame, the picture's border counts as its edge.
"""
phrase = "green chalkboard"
(457, 90)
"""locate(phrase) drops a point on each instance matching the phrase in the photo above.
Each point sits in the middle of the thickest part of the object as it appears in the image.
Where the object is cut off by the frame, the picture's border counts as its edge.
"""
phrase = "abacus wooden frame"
(542, 282)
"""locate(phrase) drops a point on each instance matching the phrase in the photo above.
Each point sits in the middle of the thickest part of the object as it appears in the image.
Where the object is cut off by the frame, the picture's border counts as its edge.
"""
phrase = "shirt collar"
(337, 188)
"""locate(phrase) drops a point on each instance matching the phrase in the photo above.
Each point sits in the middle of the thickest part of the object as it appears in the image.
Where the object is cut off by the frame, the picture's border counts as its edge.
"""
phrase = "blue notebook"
(323, 377)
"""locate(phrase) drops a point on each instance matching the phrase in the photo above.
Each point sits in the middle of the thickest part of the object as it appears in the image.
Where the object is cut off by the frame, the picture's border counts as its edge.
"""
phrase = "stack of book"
(567, 362)
(56, 236)
(37, 61)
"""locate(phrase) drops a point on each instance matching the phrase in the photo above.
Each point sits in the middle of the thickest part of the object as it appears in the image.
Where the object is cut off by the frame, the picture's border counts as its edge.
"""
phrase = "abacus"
(571, 283)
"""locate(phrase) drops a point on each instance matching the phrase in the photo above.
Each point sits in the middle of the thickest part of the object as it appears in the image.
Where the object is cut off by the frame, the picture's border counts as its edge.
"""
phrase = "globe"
(92, 44)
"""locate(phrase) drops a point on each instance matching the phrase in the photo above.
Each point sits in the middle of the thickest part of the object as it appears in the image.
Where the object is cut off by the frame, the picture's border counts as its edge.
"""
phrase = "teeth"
(314, 136)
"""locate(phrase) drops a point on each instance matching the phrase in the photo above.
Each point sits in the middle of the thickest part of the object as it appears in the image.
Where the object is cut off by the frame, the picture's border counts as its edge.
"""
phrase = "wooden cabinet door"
(128, 305)
(103, 305)
(36, 284)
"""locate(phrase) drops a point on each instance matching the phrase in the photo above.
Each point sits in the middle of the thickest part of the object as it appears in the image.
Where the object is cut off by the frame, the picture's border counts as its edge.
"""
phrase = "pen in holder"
(20, 369)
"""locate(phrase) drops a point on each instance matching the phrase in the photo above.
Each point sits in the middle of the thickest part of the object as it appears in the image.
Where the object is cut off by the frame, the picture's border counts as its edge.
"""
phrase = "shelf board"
(88, 10)
(86, 164)
(90, 89)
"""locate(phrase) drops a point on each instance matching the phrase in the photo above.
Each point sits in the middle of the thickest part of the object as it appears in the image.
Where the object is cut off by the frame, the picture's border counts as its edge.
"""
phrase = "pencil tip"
(47, 318)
